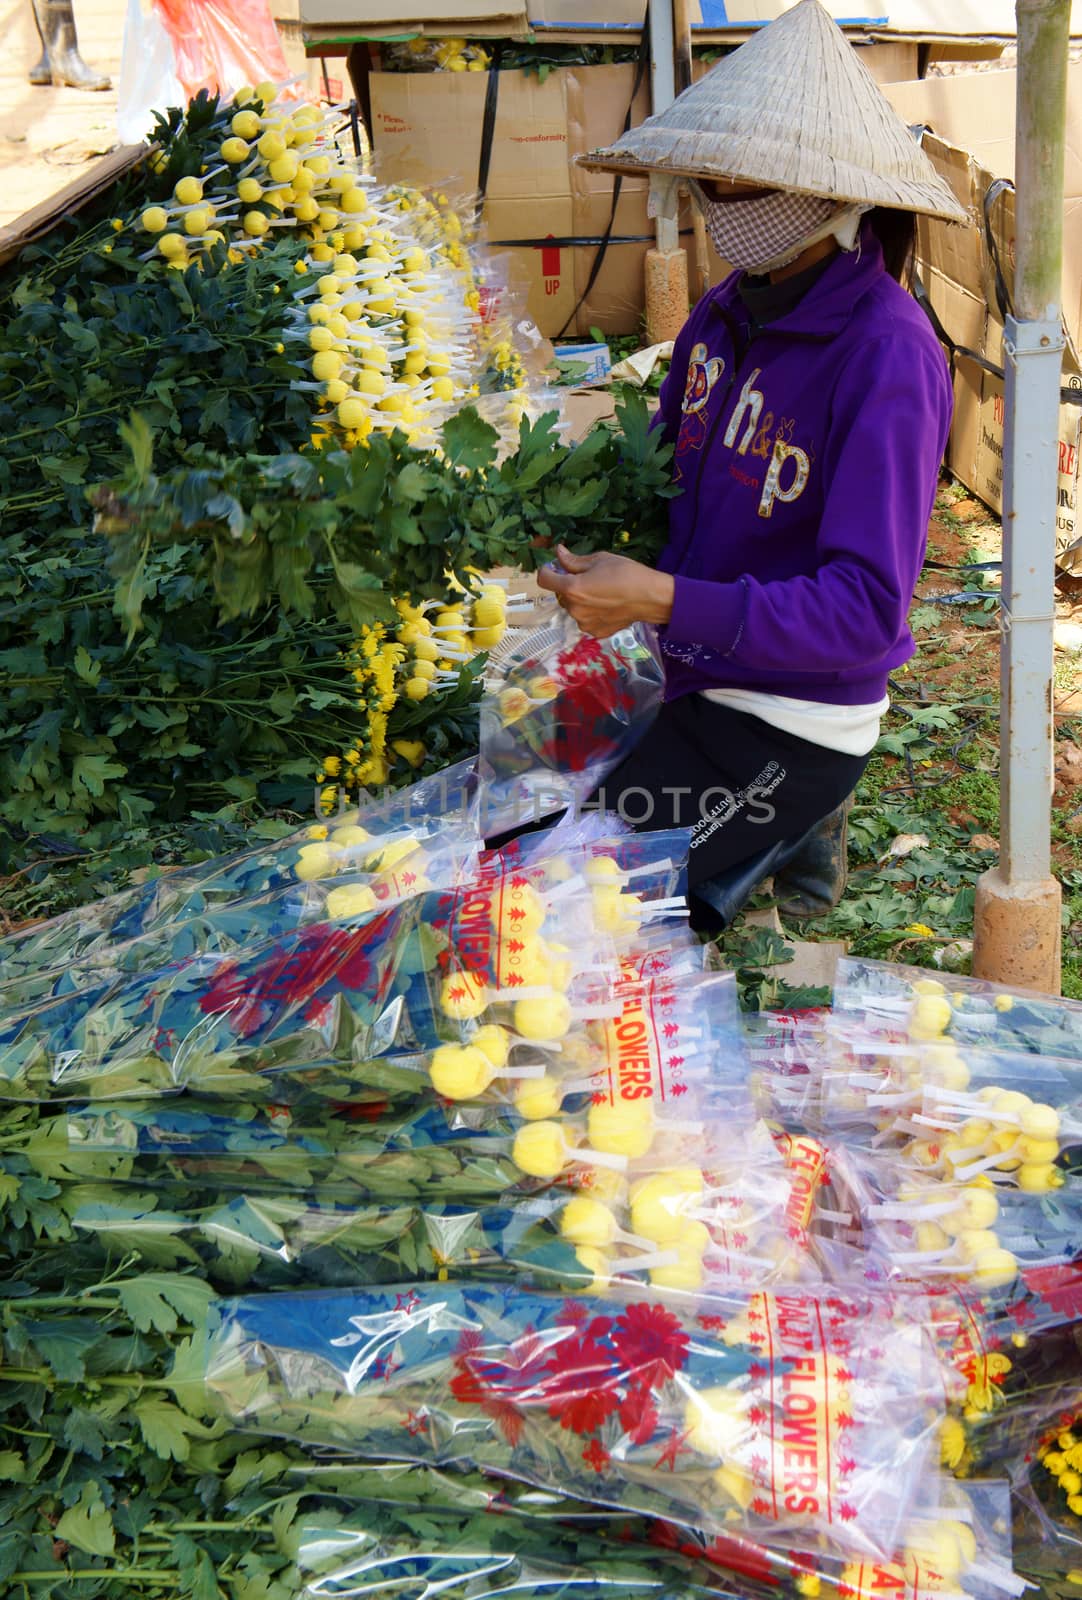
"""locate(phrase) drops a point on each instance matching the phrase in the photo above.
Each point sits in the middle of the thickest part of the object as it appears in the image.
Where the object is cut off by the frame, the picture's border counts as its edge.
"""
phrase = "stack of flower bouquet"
(435, 1196)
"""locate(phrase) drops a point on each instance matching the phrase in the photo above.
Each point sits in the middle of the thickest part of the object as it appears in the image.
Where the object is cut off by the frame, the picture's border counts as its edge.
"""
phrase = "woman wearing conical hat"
(808, 403)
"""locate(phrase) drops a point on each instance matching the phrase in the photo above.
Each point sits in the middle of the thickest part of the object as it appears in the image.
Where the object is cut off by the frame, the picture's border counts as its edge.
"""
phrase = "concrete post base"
(1017, 932)
(666, 294)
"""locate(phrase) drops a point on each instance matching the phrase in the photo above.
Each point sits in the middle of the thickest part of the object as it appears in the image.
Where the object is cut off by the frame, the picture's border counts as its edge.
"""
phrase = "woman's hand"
(606, 592)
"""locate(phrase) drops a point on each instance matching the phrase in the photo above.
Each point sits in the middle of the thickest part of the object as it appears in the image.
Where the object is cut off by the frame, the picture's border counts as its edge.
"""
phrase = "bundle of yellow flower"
(387, 323)
(430, 647)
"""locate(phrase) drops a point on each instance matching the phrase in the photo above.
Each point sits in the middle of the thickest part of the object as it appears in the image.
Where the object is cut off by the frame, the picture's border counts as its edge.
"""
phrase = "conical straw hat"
(794, 109)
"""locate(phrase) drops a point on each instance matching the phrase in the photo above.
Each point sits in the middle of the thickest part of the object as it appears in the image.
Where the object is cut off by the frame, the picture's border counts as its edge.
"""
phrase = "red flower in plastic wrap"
(651, 1344)
(292, 972)
(638, 1416)
(593, 693)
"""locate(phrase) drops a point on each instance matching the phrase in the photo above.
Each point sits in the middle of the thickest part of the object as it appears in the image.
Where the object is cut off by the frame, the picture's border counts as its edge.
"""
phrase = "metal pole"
(685, 66)
(1017, 921)
(663, 93)
(666, 273)
(681, 22)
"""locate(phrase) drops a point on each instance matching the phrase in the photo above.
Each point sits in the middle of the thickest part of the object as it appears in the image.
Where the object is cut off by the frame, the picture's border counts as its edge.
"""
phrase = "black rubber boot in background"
(61, 64)
(813, 882)
(41, 74)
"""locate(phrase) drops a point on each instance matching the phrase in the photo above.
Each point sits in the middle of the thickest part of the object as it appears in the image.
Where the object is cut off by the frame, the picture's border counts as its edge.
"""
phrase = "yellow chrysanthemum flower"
(952, 1442)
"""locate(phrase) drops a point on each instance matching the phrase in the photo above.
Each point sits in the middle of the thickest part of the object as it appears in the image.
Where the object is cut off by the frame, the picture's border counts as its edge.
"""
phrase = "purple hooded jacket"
(808, 452)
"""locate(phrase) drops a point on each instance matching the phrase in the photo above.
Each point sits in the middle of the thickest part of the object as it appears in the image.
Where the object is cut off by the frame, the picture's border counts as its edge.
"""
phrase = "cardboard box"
(921, 19)
(552, 276)
(890, 60)
(360, 14)
(973, 119)
(595, 13)
(974, 114)
(426, 128)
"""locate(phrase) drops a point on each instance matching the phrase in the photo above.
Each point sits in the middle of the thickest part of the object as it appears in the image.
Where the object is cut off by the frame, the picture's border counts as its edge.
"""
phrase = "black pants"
(739, 784)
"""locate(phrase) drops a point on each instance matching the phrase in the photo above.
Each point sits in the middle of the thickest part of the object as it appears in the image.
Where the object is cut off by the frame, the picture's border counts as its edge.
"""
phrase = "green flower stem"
(120, 402)
(49, 1380)
(131, 1574)
(57, 1302)
(209, 1527)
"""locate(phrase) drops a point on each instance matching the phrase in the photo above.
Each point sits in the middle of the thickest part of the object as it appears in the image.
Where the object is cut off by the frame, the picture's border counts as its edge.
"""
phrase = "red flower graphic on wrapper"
(1060, 1287)
(651, 1344)
(603, 1368)
(467, 1387)
(573, 1314)
(580, 1390)
(638, 1416)
(290, 975)
(675, 1447)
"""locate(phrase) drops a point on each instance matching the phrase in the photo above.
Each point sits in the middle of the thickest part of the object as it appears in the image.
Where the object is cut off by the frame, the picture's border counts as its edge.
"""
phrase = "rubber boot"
(813, 882)
(66, 67)
(719, 900)
(41, 74)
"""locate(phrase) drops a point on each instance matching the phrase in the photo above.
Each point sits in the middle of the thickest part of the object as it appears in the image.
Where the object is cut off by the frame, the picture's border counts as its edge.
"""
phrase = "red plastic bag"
(221, 44)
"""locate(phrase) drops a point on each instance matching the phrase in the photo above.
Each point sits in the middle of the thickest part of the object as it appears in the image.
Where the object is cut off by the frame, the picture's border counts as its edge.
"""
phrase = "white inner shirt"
(854, 730)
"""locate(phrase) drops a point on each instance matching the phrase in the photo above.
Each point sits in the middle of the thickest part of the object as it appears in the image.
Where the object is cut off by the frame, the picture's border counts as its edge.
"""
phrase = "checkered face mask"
(762, 235)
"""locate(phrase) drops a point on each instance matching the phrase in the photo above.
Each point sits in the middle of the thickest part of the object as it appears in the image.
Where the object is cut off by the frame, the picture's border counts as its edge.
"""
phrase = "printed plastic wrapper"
(914, 1225)
(966, 1114)
(314, 995)
(675, 1045)
(231, 927)
(652, 866)
(684, 1229)
(969, 1117)
(958, 1545)
(783, 1415)
(563, 712)
(907, 1003)
(421, 836)
(502, 962)
(327, 992)
(518, 948)
(1049, 1500)
(638, 881)
(190, 1148)
(787, 1058)
(349, 1561)
(1011, 1362)
(965, 1532)
(436, 1149)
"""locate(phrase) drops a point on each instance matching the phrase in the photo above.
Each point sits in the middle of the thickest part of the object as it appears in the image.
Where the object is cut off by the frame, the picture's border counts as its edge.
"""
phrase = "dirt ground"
(49, 136)
(959, 643)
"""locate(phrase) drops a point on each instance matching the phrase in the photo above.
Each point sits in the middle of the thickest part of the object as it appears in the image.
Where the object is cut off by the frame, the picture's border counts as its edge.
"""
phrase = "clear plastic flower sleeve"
(562, 711)
(783, 1415)
(903, 1003)
(681, 1231)
(414, 839)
